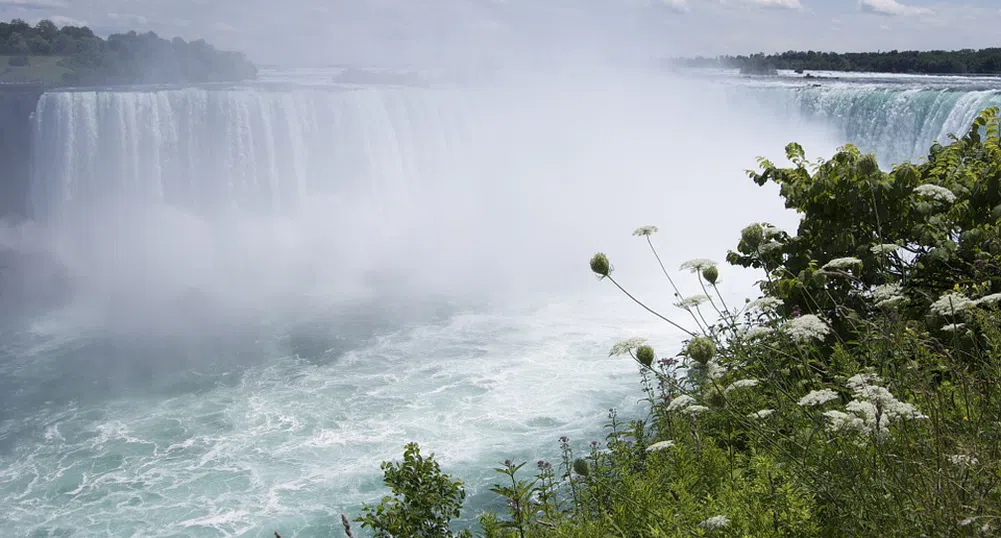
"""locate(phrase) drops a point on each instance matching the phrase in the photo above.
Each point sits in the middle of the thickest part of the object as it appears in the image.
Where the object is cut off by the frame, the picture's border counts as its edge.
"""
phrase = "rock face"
(17, 104)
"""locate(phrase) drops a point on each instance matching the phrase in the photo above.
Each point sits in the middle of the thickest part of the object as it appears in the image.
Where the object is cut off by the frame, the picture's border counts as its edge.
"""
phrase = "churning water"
(235, 302)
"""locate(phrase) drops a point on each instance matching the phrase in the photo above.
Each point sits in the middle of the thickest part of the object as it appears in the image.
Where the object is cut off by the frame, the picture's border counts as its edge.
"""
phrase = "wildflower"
(839, 421)
(758, 332)
(963, 460)
(935, 192)
(600, 265)
(884, 249)
(818, 397)
(953, 327)
(711, 274)
(991, 299)
(701, 349)
(951, 303)
(769, 231)
(842, 263)
(580, 467)
(858, 381)
(764, 413)
(765, 304)
(625, 346)
(680, 403)
(644, 231)
(873, 408)
(691, 302)
(887, 295)
(660, 446)
(806, 327)
(752, 235)
(696, 409)
(697, 265)
(714, 370)
(742, 384)
(645, 355)
(715, 522)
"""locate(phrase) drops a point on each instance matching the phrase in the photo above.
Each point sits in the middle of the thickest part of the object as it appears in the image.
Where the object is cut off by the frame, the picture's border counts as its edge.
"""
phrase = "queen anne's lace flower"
(696, 409)
(953, 327)
(963, 460)
(818, 397)
(765, 304)
(991, 299)
(715, 523)
(806, 327)
(692, 302)
(935, 192)
(742, 384)
(887, 295)
(950, 304)
(623, 347)
(764, 413)
(872, 410)
(842, 263)
(697, 265)
(680, 403)
(660, 446)
(645, 231)
(884, 249)
(758, 332)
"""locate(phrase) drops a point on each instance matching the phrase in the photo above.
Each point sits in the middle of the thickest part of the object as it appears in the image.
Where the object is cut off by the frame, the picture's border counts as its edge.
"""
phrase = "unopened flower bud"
(600, 264)
(701, 349)
(711, 274)
(580, 467)
(645, 355)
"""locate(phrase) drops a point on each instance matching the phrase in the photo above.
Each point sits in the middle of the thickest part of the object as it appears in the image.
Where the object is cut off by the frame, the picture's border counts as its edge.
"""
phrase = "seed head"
(580, 467)
(752, 236)
(711, 274)
(701, 349)
(645, 355)
(600, 265)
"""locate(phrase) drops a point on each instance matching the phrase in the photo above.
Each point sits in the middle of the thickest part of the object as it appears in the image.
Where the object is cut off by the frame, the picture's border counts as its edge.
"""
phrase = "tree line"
(129, 58)
(959, 62)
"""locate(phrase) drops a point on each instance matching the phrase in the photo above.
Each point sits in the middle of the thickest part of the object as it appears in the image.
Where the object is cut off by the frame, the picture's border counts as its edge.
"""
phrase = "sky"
(320, 32)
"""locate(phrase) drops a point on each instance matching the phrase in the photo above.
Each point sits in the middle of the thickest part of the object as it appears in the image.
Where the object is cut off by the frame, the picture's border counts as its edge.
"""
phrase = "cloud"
(60, 20)
(681, 6)
(782, 4)
(891, 7)
(33, 4)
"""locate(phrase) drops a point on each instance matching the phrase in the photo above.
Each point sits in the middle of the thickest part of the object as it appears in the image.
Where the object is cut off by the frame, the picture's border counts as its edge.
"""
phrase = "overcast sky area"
(446, 31)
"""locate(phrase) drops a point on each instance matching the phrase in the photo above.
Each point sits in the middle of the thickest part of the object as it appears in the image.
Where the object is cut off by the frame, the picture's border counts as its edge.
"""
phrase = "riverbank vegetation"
(859, 395)
(959, 62)
(74, 55)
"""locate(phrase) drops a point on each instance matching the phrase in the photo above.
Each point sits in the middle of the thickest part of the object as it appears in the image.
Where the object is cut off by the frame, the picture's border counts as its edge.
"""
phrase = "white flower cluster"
(888, 295)
(872, 410)
(951, 303)
(818, 397)
(935, 192)
(697, 265)
(991, 299)
(623, 347)
(765, 304)
(645, 231)
(660, 446)
(806, 327)
(692, 302)
(953, 327)
(841, 264)
(763, 414)
(715, 523)
(884, 249)
(681, 403)
(963, 460)
(742, 384)
(758, 331)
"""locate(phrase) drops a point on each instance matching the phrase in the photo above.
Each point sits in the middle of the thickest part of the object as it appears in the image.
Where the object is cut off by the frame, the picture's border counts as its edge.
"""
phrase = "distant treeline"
(129, 58)
(966, 61)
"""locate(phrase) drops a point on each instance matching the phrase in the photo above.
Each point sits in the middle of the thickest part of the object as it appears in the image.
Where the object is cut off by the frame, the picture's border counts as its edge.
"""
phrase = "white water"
(271, 290)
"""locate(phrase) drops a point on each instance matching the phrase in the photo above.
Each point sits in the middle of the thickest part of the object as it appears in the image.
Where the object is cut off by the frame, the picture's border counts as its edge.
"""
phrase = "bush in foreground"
(858, 396)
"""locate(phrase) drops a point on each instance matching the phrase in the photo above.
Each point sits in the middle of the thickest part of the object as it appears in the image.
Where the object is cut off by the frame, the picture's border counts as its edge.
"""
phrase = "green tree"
(424, 500)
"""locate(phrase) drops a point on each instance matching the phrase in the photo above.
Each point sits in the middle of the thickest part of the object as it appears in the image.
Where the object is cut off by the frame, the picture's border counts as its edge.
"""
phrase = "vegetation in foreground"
(45, 53)
(959, 62)
(858, 396)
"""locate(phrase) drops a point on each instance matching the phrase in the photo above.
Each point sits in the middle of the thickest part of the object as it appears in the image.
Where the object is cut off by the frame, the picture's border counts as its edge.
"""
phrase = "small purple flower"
(594, 444)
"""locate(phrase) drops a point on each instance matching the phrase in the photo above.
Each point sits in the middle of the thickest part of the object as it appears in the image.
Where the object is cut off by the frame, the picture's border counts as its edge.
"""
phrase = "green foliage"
(129, 58)
(860, 396)
(966, 61)
(424, 499)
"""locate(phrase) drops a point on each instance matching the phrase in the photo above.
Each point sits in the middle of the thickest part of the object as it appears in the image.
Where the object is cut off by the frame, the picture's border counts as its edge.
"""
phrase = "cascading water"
(211, 367)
